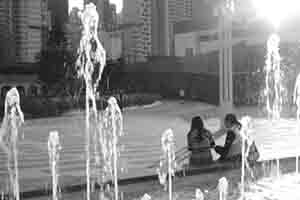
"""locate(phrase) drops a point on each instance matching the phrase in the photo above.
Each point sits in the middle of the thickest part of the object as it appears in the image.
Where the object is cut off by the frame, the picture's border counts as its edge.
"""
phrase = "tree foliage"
(57, 61)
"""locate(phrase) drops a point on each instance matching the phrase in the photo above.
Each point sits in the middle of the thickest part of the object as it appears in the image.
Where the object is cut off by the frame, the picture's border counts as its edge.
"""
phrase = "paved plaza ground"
(143, 128)
(184, 188)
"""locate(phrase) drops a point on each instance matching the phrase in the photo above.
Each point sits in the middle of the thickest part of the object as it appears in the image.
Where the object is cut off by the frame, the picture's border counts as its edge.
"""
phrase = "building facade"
(7, 48)
(24, 26)
(179, 10)
(153, 33)
(109, 17)
(24, 23)
(137, 38)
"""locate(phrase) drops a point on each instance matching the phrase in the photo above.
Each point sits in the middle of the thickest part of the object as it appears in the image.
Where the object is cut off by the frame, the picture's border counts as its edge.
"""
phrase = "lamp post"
(225, 56)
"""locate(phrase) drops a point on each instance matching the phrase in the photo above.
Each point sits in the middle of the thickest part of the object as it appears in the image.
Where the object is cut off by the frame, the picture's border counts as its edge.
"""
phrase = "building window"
(189, 52)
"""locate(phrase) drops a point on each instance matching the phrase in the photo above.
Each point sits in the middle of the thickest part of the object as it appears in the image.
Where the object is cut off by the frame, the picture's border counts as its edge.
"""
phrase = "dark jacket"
(199, 144)
(197, 139)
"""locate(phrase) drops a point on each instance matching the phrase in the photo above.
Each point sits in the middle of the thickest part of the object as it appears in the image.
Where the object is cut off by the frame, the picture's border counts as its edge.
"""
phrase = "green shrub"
(36, 107)
(65, 104)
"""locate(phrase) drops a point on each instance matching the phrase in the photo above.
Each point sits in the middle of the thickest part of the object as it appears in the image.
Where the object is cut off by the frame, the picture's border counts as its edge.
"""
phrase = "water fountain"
(90, 65)
(167, 165)
(247, 142)
(109, 140)
(274, 76)
(274, 93)
(296, 100)
(223, 188)
(146, 197)
(53, 151)
(199, 194)
(12, 120)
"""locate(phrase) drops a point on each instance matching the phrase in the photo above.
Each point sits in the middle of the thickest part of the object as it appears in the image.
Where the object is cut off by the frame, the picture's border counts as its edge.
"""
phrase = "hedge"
(37, 107)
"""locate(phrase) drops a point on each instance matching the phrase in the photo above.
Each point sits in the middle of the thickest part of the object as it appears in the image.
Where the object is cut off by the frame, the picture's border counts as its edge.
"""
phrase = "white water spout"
(53, 151)
(90, 65)
(12, 120)
(199, 194)
(146, 197)
(274, 76)
(223, 188)
(109, 141)
(167, 165)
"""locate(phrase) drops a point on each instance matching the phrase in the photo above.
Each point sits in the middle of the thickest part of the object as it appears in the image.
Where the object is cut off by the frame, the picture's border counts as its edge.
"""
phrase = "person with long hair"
(200, 141)
(233, 142)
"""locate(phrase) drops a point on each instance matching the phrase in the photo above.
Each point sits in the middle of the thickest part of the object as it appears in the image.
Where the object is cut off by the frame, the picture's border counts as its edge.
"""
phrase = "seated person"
(200, 141)
(233, 144)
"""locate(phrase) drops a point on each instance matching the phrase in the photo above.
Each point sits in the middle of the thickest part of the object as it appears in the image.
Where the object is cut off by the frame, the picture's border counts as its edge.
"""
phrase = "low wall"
(247, 87)
(203, 87)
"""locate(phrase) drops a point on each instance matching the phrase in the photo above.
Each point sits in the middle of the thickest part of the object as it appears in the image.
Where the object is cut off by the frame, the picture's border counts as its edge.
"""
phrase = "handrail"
(182, 151)
(180, 155)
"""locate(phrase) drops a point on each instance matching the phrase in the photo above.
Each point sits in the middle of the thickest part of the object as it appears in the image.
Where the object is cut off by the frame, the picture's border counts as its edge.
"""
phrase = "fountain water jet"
(223, 188)
(146, 197)
(53, 151)
(274, 86)
(296, 96)
(274, 76)
(90, 64)
(12, 120)
(167, 165)
(247, 142)
(113, 128)
(296, 100)
(199, 194)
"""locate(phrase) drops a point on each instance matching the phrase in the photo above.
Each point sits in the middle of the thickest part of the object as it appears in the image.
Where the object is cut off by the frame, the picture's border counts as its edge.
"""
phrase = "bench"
(183, 157)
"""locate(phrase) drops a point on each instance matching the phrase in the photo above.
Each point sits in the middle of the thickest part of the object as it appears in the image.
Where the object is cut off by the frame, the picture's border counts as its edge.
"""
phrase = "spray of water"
(199, 194)
(296, 100)
(247, 142)
(53, 151)
(274, 76)
(296, 96)
(12, 120)
(146, 197)
(112, 130)
(90, 64)
(274, 90)
(223, 188)
(167, 165)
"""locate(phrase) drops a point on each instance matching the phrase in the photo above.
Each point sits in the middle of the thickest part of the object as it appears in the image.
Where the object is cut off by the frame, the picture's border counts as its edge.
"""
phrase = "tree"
(112, 73)
(57, 61)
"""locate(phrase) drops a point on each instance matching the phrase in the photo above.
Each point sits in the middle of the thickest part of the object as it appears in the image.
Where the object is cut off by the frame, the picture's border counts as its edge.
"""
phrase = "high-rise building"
(31, 20)
(109, 16)
(160, 28)
(23, 32)
(154, 19)
(137, 40)
(179, 10)
(24, 23)
(7, 47)
(59, 13)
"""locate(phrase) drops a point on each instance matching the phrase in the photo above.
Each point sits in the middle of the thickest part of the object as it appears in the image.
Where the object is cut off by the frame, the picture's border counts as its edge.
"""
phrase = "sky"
(79, 4)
